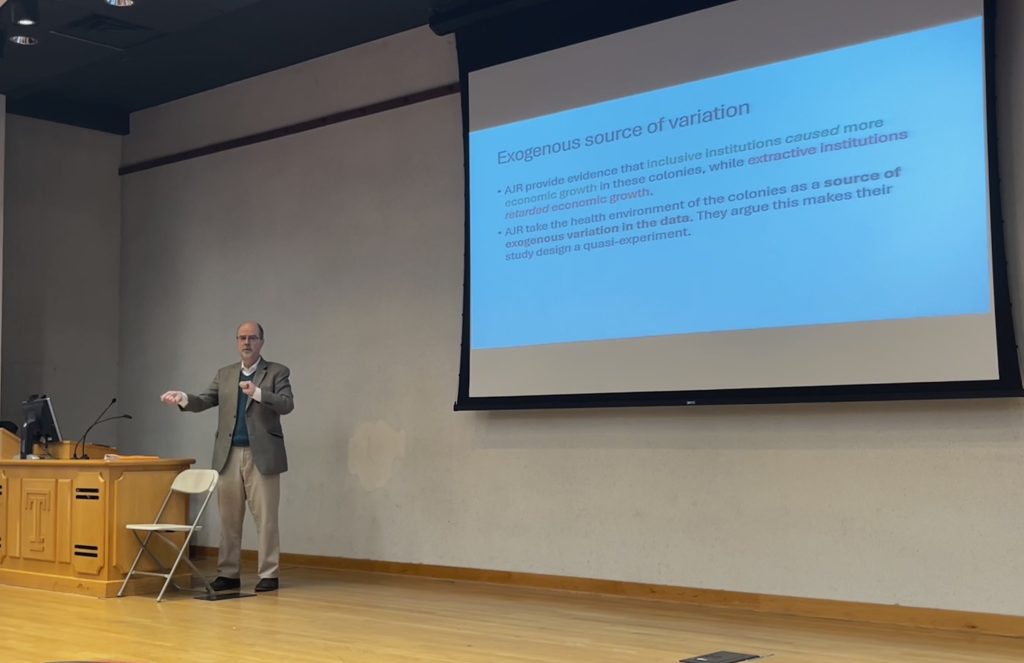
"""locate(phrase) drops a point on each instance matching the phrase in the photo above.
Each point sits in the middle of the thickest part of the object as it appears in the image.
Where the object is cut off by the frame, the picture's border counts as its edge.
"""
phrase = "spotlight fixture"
(25, 12)
(24, 40)
(120, 3)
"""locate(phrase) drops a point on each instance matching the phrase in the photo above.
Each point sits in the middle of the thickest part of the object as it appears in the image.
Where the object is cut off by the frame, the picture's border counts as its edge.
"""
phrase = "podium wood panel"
(62, 522)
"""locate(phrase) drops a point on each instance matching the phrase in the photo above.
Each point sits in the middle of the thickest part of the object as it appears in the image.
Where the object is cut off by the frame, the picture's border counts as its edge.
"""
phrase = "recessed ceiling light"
(25, 12)
(120, 3)
(24, 40)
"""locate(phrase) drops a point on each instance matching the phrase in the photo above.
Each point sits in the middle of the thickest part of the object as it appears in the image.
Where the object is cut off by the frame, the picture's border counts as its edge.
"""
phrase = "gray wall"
(346, 242)
(61, 243)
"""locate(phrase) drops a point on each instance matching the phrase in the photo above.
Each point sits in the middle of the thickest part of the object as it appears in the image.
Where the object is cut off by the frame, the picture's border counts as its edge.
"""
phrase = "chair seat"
(161, 527)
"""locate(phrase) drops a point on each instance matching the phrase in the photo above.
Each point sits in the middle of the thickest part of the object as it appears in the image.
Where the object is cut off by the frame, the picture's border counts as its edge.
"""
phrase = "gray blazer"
(262, 419)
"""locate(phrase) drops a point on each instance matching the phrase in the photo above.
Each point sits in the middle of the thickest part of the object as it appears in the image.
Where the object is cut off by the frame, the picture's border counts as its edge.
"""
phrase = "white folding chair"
(190, 482)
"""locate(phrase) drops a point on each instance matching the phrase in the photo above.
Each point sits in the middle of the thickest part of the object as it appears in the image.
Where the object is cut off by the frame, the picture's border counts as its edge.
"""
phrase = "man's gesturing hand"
(173, 397)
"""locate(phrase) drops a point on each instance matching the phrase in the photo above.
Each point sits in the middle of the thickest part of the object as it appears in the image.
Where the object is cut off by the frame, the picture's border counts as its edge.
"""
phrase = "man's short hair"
(258, 325)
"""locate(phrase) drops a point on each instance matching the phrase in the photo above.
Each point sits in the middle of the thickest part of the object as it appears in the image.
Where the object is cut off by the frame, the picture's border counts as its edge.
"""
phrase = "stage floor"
(322, 616)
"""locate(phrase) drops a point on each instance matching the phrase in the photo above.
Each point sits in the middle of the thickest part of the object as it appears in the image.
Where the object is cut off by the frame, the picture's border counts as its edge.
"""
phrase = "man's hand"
(248, 388)
(173, 397)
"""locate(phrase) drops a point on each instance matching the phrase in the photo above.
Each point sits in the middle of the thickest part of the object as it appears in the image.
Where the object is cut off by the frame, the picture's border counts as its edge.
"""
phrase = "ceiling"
(94, 64)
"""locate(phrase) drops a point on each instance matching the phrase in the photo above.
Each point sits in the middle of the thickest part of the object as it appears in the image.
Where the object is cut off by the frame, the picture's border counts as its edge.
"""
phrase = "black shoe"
(222, 583)
(266, 585)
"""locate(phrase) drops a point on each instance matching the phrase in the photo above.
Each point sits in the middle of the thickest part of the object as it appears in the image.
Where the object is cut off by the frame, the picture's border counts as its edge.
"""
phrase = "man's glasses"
(249, 338)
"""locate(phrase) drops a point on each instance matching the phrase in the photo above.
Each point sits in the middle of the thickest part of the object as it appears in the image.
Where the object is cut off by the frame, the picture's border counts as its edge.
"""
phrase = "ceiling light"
(120, 3)
(25, 12)
(24, 40)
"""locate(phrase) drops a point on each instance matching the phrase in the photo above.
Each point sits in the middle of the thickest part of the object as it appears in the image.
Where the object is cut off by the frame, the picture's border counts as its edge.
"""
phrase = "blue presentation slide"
(845, 186)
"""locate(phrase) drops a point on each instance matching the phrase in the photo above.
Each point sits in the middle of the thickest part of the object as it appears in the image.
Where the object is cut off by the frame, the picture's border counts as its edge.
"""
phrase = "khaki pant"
(240, 484)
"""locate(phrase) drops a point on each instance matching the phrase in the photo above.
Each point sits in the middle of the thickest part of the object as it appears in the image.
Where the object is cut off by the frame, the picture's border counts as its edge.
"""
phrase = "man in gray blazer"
(248, 451)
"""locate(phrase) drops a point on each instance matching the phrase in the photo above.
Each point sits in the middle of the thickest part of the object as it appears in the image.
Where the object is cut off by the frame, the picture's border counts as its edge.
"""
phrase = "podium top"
(158, 463)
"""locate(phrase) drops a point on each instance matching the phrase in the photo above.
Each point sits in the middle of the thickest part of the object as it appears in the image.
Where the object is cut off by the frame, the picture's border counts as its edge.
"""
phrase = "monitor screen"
(40, 424)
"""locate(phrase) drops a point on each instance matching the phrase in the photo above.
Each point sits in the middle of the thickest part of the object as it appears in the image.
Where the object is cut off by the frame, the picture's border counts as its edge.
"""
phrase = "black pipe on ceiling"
(448, 17)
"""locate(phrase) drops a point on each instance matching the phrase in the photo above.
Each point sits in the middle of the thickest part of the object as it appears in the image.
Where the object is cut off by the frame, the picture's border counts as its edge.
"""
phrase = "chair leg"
(128, 576)
(152, 555)
(200, 575)
(174, 567)
(160, 596)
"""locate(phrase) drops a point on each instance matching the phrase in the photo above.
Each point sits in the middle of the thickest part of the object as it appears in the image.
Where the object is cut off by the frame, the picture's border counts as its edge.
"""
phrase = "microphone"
(96, 421)
(84, 455)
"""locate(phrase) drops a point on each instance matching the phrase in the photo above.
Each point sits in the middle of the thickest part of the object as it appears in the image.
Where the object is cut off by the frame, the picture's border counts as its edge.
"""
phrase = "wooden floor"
(348, 617)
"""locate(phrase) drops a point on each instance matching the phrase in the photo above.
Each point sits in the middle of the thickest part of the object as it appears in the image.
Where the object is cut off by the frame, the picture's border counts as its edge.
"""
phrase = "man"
(248, 452)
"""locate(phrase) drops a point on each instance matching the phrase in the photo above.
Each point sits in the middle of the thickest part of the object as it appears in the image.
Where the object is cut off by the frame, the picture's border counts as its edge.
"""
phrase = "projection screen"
(781, 195)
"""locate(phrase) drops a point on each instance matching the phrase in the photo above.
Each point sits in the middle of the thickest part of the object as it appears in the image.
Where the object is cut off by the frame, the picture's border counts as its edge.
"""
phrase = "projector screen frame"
(495, 41)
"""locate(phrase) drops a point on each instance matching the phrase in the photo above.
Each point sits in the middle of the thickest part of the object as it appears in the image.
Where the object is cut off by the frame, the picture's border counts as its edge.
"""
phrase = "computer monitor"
(40, 423)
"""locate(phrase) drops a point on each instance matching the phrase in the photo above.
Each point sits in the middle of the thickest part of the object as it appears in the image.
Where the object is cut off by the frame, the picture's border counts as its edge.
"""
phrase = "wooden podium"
(62, 522)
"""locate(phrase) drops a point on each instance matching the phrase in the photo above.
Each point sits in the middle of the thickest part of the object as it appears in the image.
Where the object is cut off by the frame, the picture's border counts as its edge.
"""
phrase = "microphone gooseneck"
(81, 440)
(84, 455)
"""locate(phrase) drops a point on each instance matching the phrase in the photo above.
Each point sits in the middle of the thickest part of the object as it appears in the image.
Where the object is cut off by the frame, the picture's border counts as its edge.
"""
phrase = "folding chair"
(190, 482)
